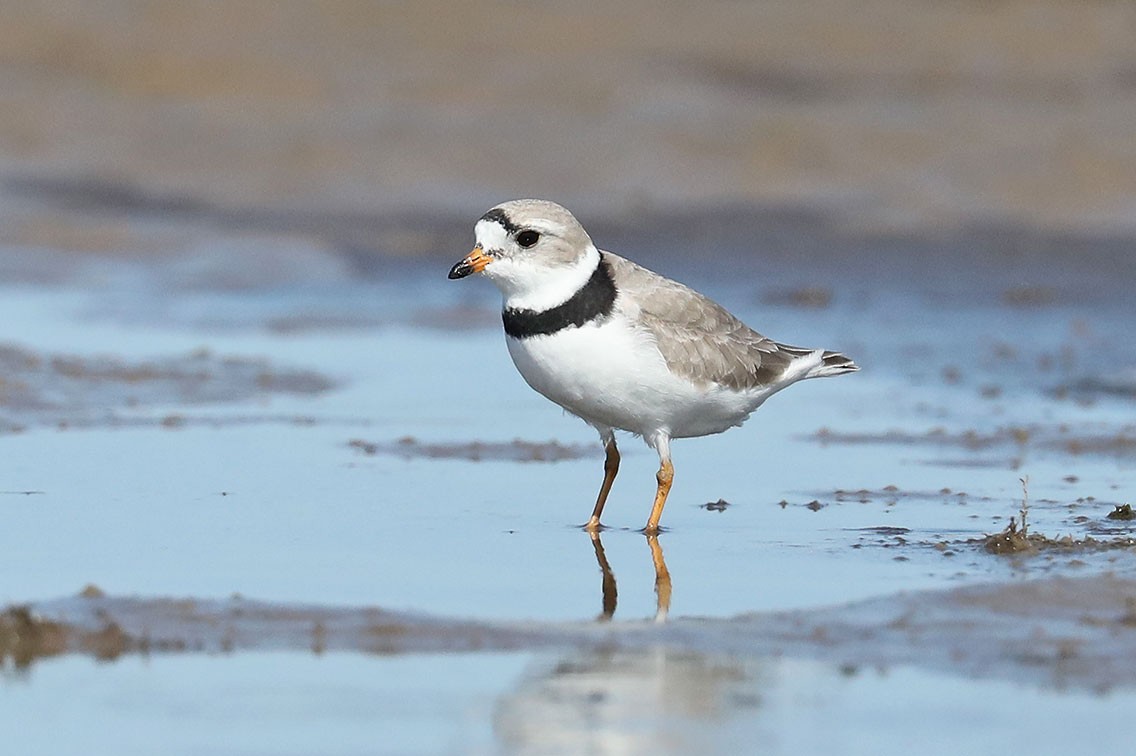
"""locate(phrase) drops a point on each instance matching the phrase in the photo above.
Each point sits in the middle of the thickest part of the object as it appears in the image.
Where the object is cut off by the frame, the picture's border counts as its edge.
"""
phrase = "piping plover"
(622, 347)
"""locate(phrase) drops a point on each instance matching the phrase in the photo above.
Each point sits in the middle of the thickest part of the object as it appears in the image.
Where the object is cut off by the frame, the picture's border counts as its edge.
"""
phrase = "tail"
(833, 363)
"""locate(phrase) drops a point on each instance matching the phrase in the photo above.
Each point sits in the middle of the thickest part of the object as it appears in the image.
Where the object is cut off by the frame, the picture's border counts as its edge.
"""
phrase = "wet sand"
(1059, 632)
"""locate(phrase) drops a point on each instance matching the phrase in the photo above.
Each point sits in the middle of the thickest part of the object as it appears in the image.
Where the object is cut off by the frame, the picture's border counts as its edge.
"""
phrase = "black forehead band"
(497, 215)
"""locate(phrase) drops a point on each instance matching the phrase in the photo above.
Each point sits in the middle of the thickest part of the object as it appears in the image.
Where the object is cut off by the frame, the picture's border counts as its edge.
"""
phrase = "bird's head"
(534, 250)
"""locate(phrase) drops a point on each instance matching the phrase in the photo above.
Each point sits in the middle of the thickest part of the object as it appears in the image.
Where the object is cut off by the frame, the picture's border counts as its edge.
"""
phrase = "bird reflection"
(610, 592)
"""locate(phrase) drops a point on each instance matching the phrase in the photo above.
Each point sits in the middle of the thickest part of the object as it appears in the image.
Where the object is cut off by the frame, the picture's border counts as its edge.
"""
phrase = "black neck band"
(594, 300)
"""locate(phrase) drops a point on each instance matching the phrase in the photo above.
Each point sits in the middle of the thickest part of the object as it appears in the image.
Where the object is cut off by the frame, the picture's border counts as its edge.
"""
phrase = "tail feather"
(833, 363)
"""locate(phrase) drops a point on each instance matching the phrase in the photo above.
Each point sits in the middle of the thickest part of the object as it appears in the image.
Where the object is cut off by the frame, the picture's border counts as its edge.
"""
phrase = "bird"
(622, 347)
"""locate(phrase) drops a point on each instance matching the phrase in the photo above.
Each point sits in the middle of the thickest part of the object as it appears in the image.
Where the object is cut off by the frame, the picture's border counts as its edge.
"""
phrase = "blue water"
(488, 703)
(265, 497)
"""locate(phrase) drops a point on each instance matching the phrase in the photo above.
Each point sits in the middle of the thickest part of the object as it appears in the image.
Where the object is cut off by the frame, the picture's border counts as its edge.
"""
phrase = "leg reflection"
(609, 591)
(662, 579)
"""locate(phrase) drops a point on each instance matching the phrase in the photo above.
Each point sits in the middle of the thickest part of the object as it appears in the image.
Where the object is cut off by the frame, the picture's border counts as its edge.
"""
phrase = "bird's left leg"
(662, 444)
(611, 467)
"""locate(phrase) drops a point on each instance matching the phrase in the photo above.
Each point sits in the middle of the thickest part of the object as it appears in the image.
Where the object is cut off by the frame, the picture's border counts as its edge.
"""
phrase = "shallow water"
(836, 491)
(261, 703)
(643, 702)
(266, 497)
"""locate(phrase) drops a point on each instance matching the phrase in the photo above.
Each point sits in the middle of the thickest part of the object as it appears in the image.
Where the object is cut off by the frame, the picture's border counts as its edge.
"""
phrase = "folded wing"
(703, 342)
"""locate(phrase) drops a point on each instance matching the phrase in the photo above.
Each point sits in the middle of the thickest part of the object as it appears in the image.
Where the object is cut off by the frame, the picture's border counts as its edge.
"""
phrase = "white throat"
(528, 286)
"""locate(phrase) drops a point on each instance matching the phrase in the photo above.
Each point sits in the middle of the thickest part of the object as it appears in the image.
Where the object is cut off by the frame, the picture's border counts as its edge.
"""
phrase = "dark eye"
(528, 238)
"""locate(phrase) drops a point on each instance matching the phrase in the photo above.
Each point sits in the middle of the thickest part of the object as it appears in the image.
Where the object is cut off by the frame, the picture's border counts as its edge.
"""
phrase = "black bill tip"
(460, 270)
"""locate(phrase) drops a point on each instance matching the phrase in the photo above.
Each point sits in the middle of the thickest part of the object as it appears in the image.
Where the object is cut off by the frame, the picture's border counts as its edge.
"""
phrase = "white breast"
(611, 374)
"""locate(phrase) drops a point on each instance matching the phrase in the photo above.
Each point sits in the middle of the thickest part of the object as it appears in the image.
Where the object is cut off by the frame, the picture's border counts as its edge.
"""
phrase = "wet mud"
(516, 450)
(1061, 632)
(1118, 441)
(67, 390)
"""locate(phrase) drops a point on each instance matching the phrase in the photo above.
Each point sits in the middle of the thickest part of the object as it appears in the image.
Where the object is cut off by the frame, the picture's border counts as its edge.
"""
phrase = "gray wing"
(697, 337)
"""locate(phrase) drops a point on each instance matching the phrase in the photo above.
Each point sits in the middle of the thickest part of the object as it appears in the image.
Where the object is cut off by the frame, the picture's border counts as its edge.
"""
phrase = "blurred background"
(382, 128)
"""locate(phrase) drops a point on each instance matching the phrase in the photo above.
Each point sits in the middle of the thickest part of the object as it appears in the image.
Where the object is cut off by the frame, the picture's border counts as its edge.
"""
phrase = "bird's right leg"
(611, 467)
(665, 476)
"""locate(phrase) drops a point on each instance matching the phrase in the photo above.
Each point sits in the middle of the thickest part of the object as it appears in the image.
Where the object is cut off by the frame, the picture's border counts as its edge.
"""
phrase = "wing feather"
(696, 336)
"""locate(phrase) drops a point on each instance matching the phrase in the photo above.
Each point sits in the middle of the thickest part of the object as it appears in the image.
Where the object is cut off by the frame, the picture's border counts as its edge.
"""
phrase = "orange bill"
(474, 262)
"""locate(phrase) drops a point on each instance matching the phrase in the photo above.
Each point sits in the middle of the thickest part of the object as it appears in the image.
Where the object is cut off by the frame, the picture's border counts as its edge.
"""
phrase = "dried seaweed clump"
(1122, 512)
(25, 637)
(1012, 540)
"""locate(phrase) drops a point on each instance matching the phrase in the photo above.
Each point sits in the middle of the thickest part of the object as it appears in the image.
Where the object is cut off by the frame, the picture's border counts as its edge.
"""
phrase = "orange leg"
(665, 476)
(611, 467)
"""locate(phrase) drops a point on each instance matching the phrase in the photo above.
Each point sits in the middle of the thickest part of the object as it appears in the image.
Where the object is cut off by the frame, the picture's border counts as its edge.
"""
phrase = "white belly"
(612, 375)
